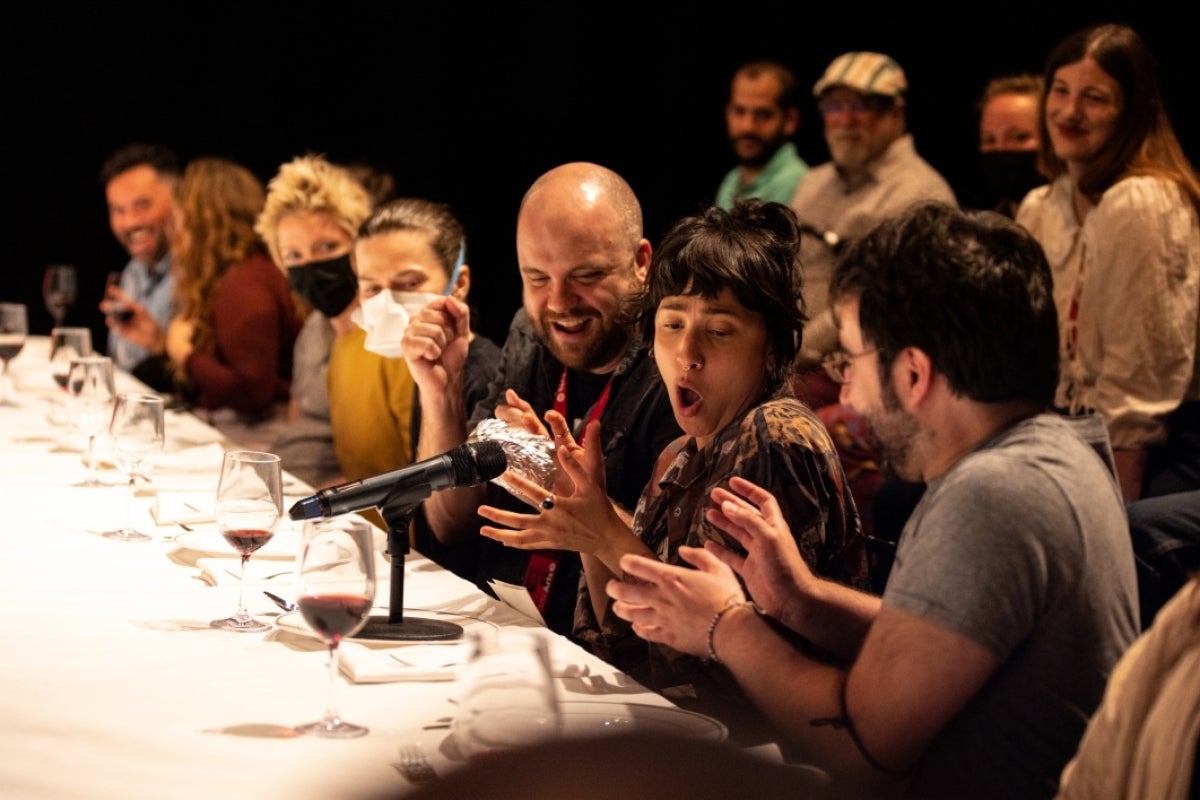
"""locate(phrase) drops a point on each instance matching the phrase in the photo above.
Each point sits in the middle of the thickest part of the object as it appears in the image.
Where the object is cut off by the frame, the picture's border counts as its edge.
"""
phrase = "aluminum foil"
(530, 455)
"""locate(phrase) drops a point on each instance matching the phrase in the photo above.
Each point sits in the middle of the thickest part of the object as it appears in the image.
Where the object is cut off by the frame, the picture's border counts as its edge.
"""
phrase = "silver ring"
(548, 503)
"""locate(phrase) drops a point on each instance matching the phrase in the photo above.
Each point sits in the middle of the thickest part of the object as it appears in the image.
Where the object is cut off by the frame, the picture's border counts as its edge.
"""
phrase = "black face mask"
(328, 286)
(1010, 174)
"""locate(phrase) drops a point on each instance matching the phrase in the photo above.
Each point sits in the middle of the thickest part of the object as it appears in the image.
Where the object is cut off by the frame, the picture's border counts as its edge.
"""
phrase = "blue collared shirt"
(154, 290)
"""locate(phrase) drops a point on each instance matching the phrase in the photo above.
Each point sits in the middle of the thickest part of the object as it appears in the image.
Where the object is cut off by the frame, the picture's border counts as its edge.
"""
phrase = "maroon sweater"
(254, 325)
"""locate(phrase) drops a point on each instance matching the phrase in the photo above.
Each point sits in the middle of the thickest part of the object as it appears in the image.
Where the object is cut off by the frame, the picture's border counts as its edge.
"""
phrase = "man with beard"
(873, 172)
(1014, 591)
(582, 256)
(139, 181)
(762, 116)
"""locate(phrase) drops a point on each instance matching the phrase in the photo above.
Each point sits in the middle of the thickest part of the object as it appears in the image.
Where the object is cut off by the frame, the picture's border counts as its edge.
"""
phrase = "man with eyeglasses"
(873, 172)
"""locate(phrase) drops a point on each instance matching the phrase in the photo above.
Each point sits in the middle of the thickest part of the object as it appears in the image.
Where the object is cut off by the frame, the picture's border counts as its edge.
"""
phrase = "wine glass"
(137, 439)
(67, 343)
(90, 396)
(335, 591)
(60, 284)
(249, 504)
(14, 327)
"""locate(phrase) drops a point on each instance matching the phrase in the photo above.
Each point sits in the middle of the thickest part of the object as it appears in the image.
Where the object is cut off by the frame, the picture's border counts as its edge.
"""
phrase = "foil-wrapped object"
(530, 455)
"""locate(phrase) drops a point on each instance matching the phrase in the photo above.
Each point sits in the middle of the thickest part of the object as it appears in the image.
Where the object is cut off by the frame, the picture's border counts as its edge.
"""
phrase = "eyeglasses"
(862, 105)
(837, 362)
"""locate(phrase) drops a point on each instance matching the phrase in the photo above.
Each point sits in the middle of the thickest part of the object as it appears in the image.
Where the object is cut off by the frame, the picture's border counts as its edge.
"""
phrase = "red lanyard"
(560, 402)
(539, 573)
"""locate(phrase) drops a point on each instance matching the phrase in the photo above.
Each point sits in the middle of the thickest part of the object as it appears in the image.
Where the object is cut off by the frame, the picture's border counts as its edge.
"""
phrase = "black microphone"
(465, 465)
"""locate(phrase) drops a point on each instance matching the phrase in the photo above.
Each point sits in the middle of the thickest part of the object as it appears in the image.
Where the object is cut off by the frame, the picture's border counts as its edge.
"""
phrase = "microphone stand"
(395, 626)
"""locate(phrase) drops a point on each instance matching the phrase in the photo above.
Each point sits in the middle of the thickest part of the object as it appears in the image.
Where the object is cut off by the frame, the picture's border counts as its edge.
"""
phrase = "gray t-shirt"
(1023, 546)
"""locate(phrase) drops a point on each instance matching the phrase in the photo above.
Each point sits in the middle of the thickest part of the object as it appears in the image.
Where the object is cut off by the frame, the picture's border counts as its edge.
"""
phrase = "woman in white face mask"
(411, 252)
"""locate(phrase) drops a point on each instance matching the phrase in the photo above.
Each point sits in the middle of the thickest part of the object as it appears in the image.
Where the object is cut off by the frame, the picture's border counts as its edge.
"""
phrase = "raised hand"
(435, 345)
(674, 605)
(773, 569)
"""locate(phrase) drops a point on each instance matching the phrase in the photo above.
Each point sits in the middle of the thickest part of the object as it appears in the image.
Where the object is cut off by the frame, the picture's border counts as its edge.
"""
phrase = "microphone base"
(410, 629)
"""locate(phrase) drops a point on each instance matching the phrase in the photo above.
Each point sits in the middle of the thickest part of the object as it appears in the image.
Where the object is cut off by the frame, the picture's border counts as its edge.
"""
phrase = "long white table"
(113, 685)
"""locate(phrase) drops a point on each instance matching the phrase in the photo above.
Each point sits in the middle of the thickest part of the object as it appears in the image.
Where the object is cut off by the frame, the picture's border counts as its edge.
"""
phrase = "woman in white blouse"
(1120, 228)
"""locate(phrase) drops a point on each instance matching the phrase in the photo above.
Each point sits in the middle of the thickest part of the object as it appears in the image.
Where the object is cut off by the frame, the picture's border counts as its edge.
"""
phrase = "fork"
(415, 766)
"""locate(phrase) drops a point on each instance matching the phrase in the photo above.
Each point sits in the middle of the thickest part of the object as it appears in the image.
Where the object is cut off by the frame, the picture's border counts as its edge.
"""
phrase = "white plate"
(208, 541)
(587, 718)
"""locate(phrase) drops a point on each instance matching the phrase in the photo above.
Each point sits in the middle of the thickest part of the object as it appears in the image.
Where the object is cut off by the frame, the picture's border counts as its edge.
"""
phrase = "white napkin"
(421, 662)
(173, 508)
(410, 662)
(228, 571)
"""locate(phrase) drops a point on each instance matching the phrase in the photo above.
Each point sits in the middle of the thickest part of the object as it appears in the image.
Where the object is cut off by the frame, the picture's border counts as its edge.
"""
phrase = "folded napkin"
(228, 571)
(409, 662)
(173, 508)
(421, 662)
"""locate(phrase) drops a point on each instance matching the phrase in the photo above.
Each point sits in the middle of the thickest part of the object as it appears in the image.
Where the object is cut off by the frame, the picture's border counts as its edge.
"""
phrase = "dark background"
(469, 103)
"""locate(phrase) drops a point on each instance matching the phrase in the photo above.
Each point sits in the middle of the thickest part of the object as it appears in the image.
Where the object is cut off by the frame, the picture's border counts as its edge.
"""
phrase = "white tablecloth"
(113, 685)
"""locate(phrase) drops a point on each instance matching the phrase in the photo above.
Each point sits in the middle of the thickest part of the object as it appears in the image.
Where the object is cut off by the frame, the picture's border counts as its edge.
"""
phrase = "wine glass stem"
(91, 459)
(331, 714)
(241, 612)
(129, 502)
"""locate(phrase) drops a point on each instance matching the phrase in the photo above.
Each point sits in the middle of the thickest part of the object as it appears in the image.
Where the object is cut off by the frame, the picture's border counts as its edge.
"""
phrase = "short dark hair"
(971, 289)
(161, 158)
(753, 249)
(789, 86)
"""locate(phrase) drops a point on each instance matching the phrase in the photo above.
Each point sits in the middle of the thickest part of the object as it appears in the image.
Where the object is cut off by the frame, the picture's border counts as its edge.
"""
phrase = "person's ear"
(462, 287)
(791, 121)
(912, 374)
(641, 260)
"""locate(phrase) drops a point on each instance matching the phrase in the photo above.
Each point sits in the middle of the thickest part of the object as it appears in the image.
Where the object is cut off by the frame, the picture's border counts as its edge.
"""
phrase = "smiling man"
(582, 256)
(138, 181)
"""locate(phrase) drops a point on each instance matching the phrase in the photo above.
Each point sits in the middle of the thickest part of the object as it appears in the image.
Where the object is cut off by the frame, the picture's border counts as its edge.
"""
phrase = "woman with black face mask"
(1008, 141)
(312, 213)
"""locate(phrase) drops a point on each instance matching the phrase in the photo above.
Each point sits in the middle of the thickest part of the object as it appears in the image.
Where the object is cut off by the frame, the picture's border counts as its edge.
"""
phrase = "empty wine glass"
(249, 504)
(90, 396)
(137, 439)
(335, 591)
(67, 343)
(14, 327)
(60, 285)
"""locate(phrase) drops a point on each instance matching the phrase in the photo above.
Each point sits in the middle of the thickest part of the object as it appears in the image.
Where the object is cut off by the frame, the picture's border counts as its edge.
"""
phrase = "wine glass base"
(127, 535)
(332, 729)
(240, 624)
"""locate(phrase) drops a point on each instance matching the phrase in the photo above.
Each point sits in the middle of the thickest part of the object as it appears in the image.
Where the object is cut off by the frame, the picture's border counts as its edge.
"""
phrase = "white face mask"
(385, 316)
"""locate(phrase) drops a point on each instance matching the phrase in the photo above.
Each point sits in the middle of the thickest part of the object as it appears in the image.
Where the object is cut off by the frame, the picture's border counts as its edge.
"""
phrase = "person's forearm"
(800, 696)
(832, 616)
(451, 512)
(1131, 470)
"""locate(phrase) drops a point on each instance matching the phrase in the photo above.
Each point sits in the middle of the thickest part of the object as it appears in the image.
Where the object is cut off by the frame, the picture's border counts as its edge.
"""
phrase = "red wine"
(61, 379)
(334, 616)
(119, 313)
(247, 541)
(10, 351)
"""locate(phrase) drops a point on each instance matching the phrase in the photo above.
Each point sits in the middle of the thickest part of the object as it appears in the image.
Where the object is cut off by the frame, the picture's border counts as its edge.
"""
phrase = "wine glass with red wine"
(335, 591)
(14, 327)
(249, 505)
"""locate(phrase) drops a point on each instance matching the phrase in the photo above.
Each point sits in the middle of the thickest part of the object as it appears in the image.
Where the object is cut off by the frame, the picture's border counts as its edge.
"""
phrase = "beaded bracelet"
(730, 604)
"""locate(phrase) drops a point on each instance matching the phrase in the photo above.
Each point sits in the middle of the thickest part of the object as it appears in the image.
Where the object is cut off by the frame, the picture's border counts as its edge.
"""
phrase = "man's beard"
(894, 431)
(765, 152)
(606, 341)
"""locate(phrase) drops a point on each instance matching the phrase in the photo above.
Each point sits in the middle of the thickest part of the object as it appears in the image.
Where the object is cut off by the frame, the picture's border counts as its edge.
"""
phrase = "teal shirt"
(777, 181)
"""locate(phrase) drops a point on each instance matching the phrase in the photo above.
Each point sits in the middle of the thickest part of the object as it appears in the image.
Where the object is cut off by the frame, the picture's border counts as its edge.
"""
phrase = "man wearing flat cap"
(873, 172)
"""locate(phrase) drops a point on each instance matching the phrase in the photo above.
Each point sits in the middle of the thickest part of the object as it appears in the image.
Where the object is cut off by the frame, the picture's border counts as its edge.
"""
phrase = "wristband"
(730, 604)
